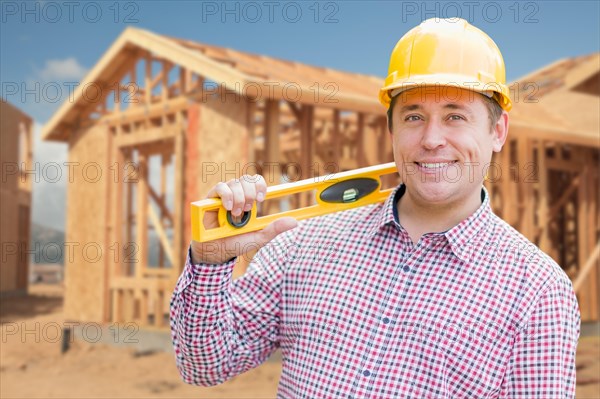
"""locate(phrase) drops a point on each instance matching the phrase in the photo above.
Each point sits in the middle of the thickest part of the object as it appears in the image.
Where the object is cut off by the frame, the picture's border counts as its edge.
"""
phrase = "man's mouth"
(434, 165)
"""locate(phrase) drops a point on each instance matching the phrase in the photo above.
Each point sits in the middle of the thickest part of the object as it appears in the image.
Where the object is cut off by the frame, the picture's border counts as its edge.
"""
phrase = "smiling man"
(443, 142)
(429, 295)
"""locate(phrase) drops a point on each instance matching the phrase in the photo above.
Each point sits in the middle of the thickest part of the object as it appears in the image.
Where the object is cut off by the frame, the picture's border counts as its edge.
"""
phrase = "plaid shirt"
(360, 311)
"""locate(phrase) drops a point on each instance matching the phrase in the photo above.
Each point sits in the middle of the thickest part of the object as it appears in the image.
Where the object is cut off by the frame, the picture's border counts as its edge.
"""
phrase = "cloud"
(66, 69)
(48, 87)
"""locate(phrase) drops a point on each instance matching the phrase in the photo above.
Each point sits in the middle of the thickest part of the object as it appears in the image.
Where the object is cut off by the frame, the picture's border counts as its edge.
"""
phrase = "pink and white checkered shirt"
(359, 311)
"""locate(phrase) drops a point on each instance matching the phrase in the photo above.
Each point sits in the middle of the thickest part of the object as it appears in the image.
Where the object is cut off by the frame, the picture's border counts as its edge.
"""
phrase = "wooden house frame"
(189, 115)
(196, 108)
(16, 138)
(551, 164)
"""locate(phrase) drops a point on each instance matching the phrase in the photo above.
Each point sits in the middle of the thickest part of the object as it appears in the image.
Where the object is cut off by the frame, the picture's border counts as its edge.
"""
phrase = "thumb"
(279, 226)
(238, 245)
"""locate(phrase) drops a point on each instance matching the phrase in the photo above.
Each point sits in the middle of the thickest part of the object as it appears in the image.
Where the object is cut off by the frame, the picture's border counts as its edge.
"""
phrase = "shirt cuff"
(206, 279)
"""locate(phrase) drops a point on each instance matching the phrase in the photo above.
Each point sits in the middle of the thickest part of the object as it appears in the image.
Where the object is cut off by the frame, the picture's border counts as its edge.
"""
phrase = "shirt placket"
(368, 379)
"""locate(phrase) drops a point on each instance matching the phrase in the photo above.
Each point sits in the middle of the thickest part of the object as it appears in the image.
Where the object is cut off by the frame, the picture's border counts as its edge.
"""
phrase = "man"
(428, 295)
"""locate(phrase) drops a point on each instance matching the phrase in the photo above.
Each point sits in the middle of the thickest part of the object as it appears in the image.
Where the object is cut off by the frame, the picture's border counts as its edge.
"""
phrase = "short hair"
(493, 107)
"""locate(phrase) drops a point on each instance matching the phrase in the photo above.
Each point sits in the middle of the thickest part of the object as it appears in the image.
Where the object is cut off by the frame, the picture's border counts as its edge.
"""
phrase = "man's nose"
(433, 136)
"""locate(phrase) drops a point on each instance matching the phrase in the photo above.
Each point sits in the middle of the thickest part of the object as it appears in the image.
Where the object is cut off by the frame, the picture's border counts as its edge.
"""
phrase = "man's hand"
(238, 196)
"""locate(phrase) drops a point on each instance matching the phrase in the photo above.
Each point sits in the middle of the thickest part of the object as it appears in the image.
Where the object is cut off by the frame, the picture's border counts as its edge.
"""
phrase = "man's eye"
(411, 118)
(456, 117)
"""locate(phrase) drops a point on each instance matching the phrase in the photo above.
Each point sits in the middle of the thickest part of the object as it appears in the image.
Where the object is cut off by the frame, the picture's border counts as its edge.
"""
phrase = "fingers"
(238, 195)
(249, 196)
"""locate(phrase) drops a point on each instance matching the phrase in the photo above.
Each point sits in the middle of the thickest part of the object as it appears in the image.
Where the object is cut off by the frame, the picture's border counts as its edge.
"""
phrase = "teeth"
(434, 165)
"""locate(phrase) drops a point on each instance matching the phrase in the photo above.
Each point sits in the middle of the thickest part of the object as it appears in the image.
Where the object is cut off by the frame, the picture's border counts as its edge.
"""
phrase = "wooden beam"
(568, 166)
(561, 135)
(143, 301)
(162, 235)
(145, 136)
(563, 198)
(307, 146)
(157, 272)
(141, 236)
(336, 139)
(158, 78)
(117, 305)
(150, 284)
(251, 125)
(360, 141)
(271, 133)
(117, 203)
(158, 308)
(525, 202)
(591, 262)
(139, 114)
(185, 79)
(129, 215)
(295, 110)
(582, 243)
(160, 201)
(543, 194)
(508, 188)
(166, 67)
(128, 304)
(148, 79)
(133, 73)
(109, 229)
(179, 195)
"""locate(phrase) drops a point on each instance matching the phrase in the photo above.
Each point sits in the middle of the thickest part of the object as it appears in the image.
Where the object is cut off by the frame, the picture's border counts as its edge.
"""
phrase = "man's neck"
(419, 219)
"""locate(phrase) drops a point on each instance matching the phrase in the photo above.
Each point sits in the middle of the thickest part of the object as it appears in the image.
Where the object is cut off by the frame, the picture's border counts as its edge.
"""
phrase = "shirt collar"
(388, 213)
(462, 237)
(459, 237)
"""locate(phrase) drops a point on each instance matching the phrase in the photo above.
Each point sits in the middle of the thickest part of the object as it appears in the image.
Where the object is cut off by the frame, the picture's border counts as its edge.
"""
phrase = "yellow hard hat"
(447, 52)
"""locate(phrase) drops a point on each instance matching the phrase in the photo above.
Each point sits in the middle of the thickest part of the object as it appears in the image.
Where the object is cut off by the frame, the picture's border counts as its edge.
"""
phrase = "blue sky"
(51, 41)
(47, 44)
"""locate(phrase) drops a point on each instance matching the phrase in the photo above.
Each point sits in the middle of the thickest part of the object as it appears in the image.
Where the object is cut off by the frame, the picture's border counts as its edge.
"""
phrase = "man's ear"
(500, 132)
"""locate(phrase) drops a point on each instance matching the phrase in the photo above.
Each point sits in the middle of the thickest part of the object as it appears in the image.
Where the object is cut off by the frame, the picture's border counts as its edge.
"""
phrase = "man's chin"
(433, 193)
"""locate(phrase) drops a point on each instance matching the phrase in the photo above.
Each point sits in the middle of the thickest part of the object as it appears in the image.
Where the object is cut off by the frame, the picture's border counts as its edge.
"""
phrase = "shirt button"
(406, 269)
(385, 320)
(366, 373)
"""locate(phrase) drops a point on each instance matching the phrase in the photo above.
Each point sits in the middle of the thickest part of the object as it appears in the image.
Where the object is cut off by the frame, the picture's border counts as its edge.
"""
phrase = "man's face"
(443, 143)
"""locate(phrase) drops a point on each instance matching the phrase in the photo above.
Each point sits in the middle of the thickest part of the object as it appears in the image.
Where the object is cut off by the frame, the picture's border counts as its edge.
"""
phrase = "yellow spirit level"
(336, 192)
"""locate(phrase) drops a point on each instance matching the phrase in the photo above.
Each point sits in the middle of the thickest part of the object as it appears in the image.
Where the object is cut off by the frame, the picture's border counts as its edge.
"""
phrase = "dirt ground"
(31, 365)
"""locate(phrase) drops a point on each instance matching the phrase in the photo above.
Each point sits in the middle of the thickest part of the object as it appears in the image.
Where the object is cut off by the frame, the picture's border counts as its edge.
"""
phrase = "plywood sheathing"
(85, 228)
(16, 156)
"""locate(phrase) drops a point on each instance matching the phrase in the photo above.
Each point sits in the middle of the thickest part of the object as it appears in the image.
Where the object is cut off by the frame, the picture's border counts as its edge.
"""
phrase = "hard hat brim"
(452, 80)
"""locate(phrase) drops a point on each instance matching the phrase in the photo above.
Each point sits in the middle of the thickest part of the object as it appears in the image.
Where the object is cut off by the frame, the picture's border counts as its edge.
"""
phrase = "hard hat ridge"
(447, 52)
